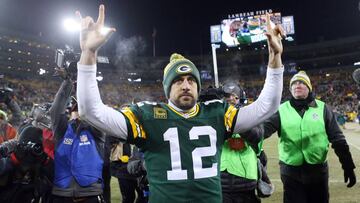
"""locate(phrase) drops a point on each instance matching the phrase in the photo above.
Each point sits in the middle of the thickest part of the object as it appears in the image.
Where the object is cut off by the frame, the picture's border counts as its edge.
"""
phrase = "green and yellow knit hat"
(178, 66)
(303, 77)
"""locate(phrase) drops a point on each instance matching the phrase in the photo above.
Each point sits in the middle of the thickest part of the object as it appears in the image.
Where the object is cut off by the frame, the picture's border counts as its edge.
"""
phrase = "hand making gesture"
(274, 36)
(93, 34)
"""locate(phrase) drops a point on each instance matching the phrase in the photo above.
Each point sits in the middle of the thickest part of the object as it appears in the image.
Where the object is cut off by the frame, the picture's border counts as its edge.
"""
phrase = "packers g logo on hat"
(178, 66)
(184, 69)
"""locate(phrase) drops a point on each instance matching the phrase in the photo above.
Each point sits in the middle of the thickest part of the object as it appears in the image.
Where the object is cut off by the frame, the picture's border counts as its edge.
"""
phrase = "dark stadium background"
(181, 25)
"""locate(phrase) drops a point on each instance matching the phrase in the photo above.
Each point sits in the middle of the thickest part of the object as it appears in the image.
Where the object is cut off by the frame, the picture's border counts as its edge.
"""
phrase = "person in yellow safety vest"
(239, 159)
(305, 127)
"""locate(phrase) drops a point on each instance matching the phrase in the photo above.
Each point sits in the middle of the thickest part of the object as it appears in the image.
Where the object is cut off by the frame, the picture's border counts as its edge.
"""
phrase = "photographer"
(24, 173)
(8, 127)
(79, 150)
(39, 117)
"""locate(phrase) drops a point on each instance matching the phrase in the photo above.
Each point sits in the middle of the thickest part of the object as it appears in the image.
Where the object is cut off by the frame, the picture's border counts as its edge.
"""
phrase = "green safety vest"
(240, 163)
(303, 139)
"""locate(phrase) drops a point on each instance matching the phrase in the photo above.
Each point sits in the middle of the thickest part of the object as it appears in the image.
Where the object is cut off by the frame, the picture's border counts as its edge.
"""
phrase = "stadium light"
(99, 78)
(42, 71)
(104, 30)
(71, 25)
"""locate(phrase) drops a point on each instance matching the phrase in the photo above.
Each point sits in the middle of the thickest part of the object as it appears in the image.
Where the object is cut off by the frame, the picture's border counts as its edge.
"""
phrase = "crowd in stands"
(334, 86)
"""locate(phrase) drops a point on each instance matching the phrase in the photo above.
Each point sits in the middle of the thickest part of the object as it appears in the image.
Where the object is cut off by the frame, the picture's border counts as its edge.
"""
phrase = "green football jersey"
(182, 151)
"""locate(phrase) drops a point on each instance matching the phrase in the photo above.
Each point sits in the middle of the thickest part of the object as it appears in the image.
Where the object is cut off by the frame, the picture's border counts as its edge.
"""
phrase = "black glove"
(349, 176)
(63, 73)
(136, 167)
(342, 151)
(254, 135)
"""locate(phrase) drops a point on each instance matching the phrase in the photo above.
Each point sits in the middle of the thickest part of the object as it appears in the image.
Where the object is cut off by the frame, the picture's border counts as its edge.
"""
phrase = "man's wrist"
(88, 57)
(275, 60)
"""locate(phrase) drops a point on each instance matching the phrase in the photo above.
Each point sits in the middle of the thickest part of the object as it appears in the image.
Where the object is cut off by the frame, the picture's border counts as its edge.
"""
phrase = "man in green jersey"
(305, 128)
(181, 139)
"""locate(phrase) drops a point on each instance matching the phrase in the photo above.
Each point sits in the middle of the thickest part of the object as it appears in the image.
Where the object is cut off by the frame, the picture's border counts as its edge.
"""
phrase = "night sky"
(182, 26)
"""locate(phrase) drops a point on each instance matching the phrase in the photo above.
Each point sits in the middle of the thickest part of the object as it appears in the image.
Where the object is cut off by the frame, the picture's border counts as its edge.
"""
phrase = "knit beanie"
(178, 66)
(303, 77)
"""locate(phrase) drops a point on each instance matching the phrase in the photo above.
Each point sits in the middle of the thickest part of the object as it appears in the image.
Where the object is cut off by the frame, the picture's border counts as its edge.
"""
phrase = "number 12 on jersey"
(176, 172)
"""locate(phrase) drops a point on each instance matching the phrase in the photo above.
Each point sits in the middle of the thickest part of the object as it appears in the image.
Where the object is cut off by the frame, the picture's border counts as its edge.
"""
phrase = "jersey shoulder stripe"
(229, 117)
(229, 112)
(136, 128)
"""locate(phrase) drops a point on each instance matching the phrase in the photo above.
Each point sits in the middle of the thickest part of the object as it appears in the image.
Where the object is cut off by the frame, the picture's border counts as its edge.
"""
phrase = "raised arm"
(92, 36)
(58, 106)
(270, 96)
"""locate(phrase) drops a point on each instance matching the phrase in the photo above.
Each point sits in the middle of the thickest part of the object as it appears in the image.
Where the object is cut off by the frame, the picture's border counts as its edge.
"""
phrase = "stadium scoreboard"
(248, 28)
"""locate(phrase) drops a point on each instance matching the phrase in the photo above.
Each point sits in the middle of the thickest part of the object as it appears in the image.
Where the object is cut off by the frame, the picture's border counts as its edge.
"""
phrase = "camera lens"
(37, 149)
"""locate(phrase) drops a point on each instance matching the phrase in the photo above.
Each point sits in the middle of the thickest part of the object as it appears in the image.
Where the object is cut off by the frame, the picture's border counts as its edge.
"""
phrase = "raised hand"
(274, 36)
(93, 34)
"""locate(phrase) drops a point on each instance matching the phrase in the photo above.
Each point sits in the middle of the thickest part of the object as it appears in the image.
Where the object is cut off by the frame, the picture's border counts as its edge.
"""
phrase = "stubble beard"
(185, 104)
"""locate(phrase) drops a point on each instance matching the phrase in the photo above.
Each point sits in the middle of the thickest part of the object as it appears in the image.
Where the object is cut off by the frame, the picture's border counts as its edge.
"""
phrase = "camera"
(5, 93)
(7, 147)
(32, 148)
(66, 58)
(211, 93)
(40, 115)
(356, 76)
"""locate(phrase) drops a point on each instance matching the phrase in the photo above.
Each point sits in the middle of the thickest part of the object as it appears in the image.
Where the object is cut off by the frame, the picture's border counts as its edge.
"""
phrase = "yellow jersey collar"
(184, 113)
